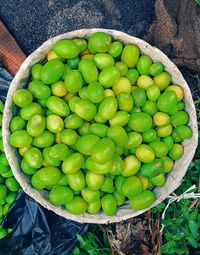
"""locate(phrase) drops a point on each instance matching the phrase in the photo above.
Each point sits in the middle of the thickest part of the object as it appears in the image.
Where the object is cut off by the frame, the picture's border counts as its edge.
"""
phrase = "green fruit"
(134, 140)
(54, 123)
(143, 64)
(132, 75)
(162, 80)
(139, 97)
(153, 93)
(99, 42)
(132, 186)
(120, 199)
(108, 108)
(60, 195)
(36, 125)
(179, 118)
(73, 121)
(77, 206)
(81, 43)
(86, 143)
(131, 165)
(66, 49)
(39, 89)
(122, 68)
(94, 181)
(17, 123)
(130, 55)
(109, 204)
(20, 138)
(88, 70)
(167, 101)
(46, 139)
(94, 207)
(184, 132)
(89, 195)
(98, 129)
(140, 121)
(176, 152)
(58, 106)
(33, 157)
(85, 109)
(95, 92)
(103, 60)
(118, 135)
(156, 68)
(47, 176)
(59, 152)
(3, 191)
(125, 102)
(152, 169)
(36, 70)
(149, 136)
(121, 118)
(68, 136)
(12, 184)
(72, 163)
(123, 85)
(159, 180)
(115, 49)
(108, 185)
(109, 76)
(98, 168)
(76, 181)
(26, 168)
(22, 97)
(73, 81)
(159, 148)
(103, 151)
(145, 153)
(29, 111)
(145, 82)
(52, 71)
(143, 200)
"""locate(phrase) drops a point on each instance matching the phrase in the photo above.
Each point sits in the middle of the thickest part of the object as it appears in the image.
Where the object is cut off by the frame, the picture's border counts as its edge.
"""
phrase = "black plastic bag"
(36, 231)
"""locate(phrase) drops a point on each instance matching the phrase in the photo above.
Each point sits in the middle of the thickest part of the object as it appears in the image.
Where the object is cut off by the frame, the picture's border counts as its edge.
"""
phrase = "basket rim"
(35, 194)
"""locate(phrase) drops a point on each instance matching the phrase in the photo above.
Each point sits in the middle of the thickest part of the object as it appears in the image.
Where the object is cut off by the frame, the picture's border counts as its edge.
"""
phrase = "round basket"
(124, 212)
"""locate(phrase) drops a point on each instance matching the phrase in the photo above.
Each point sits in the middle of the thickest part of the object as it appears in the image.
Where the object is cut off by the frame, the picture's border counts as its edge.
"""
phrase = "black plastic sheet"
(36, 231)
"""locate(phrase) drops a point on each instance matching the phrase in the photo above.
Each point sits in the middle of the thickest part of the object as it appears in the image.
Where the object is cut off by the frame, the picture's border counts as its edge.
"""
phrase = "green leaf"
(76, 251)
(193, 228)
(192, 241)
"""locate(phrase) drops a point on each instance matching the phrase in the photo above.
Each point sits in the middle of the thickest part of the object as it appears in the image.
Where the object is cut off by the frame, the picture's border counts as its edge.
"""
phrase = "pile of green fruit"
(99, 124)
(9, 187)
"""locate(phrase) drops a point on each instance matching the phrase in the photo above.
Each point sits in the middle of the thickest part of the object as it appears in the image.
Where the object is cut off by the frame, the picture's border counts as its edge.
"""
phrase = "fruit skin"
(140, 121)
(73, 81)
(153, 169)
(85, 109)
(108, 108)
(60, 195)
(88, 70)
(39, 89)
(52, 71)
(94, 181)
(58, 106)
(145, 153)
(66, 49)
(20, 138)
(109, 76)
(132, 186)
(73, 163)
(99, 42)
(130, 55)
(142, 200)
(86, 143)
(77, 206)
(167, 101)
(109, 204)
(46, 176)
(103, 150)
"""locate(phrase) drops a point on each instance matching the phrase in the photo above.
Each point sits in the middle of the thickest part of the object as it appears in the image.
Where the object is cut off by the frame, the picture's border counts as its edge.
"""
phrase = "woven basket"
(124, 212)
